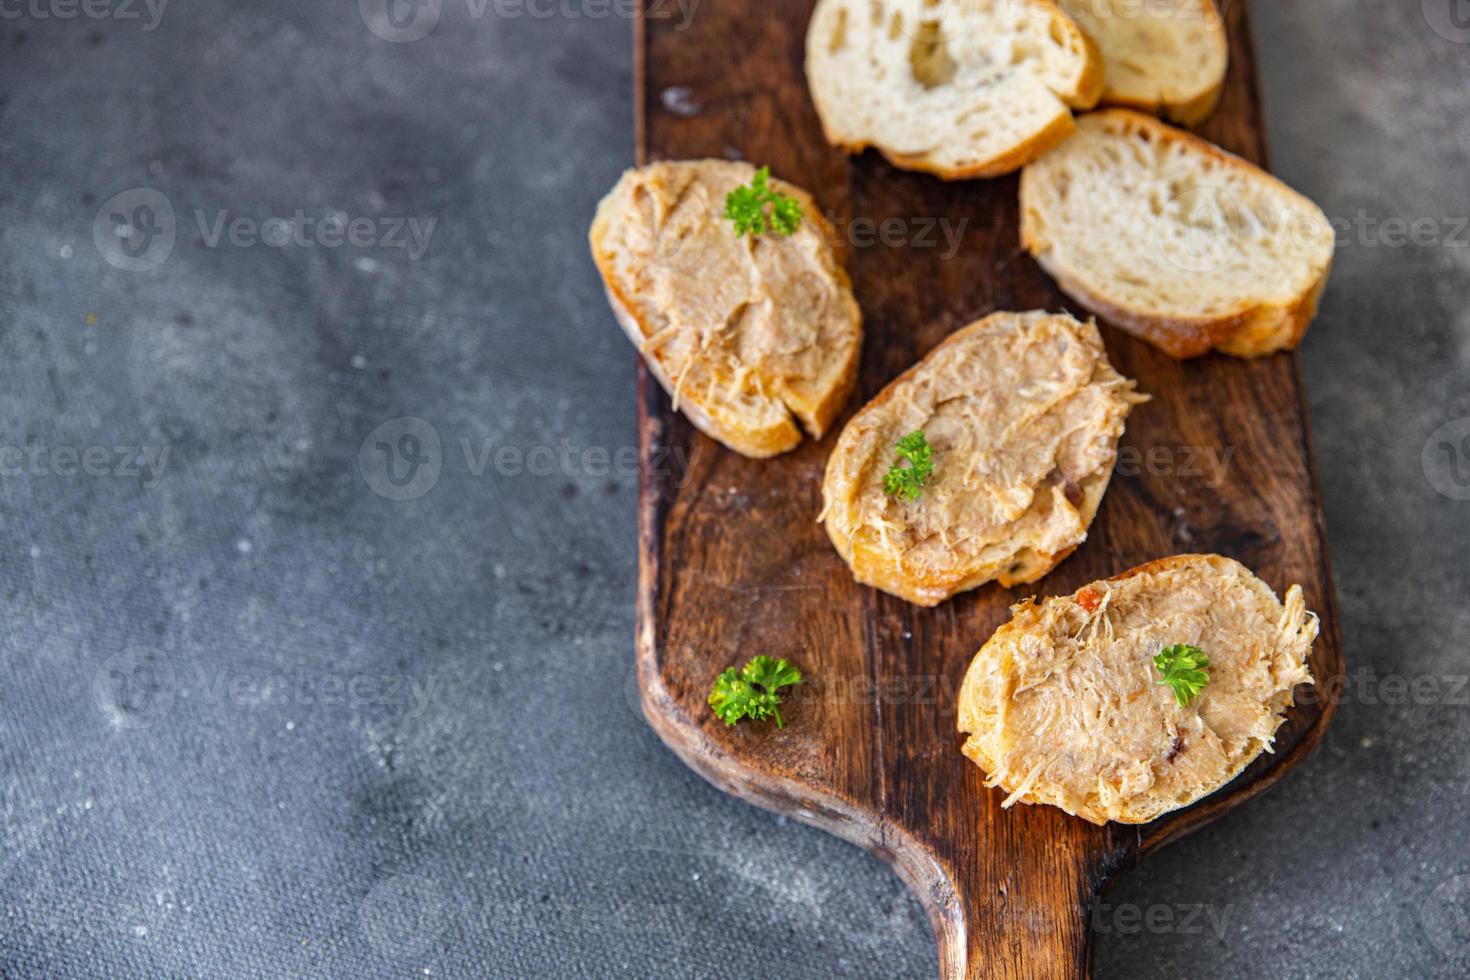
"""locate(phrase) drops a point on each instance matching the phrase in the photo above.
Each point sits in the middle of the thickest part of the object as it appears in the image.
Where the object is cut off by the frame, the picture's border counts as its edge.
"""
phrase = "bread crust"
(810, 411)
(1084, 93)
(1188, 112)
(1004, 673)
(1055, 133)
(1252, 328)
(876, 564)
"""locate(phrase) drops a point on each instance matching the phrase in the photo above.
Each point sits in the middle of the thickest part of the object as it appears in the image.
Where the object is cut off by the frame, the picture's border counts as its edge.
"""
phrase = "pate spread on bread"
(958, 88)
(1023, 413)
(1064, 705)
(756, 338)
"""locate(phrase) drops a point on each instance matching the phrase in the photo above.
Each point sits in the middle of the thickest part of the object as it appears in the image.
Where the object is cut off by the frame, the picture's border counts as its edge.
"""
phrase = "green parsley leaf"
(753, 692)
(746, 207)
(1185, 670)
(907, 482)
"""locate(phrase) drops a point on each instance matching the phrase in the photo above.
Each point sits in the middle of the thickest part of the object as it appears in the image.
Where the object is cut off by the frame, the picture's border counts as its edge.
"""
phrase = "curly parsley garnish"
(754, 691)
(746, 206)
(1185, 670)
(907, 482)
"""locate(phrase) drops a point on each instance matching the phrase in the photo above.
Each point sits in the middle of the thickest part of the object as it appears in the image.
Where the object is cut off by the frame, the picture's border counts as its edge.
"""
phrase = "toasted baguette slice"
(1063, 705)
(749, 335)
(958, 88)
(1164, 56)
(1022, 413)
(1175, 240)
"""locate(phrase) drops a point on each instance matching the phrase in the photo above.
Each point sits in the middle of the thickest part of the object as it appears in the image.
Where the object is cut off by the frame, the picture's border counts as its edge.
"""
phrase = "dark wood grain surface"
(733, 562)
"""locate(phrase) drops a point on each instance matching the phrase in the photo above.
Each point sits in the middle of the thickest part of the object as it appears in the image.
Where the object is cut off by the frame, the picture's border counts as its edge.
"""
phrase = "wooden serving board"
(733, 562)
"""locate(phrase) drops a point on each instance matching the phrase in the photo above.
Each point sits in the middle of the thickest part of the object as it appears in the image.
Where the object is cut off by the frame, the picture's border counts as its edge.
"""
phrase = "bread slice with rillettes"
(1021, 414)
(756, 338)
(1065, 705)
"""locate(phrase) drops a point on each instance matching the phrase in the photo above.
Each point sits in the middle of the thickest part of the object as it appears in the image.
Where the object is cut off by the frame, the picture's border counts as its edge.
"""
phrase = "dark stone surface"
(260, 718)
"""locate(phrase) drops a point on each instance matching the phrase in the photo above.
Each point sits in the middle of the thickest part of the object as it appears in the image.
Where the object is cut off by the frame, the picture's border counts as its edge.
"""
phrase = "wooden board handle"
(1034, 924)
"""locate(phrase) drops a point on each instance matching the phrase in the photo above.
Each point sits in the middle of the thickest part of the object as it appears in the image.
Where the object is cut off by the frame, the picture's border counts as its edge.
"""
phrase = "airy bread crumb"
(1175, 240)
(958, 88)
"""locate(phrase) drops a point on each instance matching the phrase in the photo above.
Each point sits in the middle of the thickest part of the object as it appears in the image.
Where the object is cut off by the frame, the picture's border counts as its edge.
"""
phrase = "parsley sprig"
(907, 482)
(746, 207)
(753, 692)
(1185, 670)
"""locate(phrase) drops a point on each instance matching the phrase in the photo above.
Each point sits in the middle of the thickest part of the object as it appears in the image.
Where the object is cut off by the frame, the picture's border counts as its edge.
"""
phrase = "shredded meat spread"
(1024, 413)
(1063, 705)
(760, 318)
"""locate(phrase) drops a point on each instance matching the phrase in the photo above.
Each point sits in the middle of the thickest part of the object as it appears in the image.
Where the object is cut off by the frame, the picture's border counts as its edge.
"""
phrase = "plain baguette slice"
(1175, 240)
(754, 338)
(1023, 413)
(1162, 56)
(958, 88)
(1064, 706)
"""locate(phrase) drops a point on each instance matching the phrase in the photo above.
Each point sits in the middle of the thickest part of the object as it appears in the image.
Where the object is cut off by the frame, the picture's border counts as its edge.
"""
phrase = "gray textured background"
(259, 719)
